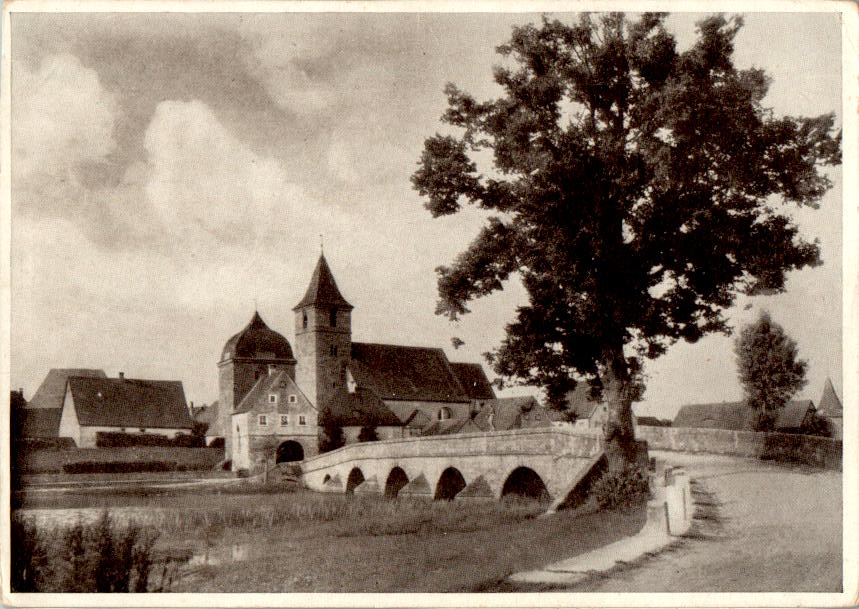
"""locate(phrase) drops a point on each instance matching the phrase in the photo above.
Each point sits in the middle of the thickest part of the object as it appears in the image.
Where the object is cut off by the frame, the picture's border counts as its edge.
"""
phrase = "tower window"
(333, 351)
(332, 317)
(304, 319)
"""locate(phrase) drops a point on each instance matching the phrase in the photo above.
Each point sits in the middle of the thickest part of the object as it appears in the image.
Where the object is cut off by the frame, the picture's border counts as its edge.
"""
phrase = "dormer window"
(332, 318)
(444, 413)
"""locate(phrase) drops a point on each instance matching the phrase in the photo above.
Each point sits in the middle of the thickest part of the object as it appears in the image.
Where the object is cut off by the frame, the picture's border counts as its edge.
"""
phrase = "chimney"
(121, 376)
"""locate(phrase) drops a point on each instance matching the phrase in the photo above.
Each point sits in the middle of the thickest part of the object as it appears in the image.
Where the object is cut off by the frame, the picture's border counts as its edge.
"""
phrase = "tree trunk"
(617, 394)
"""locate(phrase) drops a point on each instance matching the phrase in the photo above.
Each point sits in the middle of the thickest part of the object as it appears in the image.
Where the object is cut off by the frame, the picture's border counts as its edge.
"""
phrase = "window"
(284, 420)
(272, 398)
(271, 369)
(333, 351)
(332, 318)
(262, 420)
(292, 398)
(304, 319)
(443, 413)
(302, 420)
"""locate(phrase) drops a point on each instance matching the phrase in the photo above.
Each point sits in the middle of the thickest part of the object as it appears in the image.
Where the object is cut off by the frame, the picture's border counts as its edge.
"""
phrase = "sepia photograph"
(487, 304)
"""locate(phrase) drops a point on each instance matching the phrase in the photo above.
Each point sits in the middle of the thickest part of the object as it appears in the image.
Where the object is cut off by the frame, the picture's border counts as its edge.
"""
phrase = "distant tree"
(632, 191)
(330, 434)
(817, 426)
(368, 434)
(769, 369)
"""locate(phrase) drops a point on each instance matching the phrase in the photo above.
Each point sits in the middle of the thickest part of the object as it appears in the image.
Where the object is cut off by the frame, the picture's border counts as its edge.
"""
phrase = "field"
(246, 538)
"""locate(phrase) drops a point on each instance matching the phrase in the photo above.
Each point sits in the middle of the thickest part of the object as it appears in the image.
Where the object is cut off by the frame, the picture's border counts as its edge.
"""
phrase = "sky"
(173, 172)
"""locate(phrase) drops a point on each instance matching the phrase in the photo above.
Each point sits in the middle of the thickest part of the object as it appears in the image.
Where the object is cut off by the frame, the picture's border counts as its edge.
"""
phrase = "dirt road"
(780, 531)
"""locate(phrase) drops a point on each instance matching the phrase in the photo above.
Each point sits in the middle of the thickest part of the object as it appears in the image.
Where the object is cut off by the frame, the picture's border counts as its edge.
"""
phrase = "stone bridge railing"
(557, 441)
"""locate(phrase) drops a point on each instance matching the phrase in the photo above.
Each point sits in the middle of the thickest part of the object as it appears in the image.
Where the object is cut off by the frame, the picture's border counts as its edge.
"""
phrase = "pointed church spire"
(829, 403)
(323, 289)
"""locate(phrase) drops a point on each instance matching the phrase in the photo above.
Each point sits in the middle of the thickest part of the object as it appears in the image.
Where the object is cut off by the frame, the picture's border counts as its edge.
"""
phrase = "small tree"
(330, 433)
(368, 434)
(769, 369)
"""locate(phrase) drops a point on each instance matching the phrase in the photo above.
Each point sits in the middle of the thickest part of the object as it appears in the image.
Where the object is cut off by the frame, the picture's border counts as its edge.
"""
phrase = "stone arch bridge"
(534, 462)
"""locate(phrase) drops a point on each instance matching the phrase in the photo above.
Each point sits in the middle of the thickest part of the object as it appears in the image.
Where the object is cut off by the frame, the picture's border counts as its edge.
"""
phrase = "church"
(272, 398)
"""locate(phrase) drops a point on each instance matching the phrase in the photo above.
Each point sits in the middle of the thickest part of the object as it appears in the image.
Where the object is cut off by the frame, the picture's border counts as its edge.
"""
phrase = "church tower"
(323, 337)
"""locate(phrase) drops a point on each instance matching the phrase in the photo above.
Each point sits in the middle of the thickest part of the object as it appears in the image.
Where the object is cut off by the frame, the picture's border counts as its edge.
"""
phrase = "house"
(398, 390)
(207, 416)
(94, 404)
(586, 412)
(502, 414)
(274, 422)
(830, 408)
(738, 416)
(646, 421)
(40, 417)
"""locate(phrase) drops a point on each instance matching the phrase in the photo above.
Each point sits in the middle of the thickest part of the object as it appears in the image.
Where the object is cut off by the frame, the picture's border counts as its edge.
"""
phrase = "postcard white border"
(849, 12)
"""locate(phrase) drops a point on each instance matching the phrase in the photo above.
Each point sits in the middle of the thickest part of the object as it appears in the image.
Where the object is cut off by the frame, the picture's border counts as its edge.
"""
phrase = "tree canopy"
(769, 369)
(633, 190)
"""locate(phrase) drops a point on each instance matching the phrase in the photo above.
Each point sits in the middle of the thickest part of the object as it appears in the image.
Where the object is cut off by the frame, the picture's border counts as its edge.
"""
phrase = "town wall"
(810, 450)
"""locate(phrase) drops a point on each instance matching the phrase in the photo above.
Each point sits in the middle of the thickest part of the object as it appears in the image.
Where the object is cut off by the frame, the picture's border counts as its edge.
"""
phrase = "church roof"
(395, 372)
(257, 340)
(323, 289)
(830, 405)
(122, 402)
(512, 413)
(473, 380)
(51, 392)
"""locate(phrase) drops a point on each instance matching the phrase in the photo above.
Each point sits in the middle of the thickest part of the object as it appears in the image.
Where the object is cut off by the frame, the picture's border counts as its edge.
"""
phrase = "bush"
(120, 467)
(100, 557)
(115, 439)
(217, 443)
(27, 444)
(621, 489)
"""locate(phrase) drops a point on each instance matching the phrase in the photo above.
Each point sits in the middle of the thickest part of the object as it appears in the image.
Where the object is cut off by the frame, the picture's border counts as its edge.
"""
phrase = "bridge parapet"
(559, 442)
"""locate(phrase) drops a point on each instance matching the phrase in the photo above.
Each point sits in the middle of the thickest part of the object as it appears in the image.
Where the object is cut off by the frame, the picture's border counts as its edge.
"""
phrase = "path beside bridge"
(780, 531)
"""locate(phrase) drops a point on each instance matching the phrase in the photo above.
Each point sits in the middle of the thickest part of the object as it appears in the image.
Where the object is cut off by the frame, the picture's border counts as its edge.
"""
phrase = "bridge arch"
(397, 479)
(289, 451)
(449, 484)
(356, 477)
(525, 482)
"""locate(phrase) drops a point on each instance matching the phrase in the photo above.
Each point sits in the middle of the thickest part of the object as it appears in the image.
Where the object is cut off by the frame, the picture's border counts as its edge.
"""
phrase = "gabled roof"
(265, 385)
(473, 380)
(257, 340)
(322, 290)
(512, 413)
(738, 416)
(395, 372)
(580, 404)
(51, 392)
(36, 423)
(830, 405)
(418, 419)
(104, 402)
(361, 408)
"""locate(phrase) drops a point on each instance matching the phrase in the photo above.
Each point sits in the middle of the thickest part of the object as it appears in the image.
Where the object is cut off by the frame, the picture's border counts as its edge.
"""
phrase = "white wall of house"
(69, 426)
(88, 432)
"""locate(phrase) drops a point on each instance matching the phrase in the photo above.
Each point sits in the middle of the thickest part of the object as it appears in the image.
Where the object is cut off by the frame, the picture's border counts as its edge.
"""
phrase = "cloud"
(62, 121)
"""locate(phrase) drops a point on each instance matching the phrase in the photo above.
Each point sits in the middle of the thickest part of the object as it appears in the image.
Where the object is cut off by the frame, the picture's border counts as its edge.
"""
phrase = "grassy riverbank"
(303, 541)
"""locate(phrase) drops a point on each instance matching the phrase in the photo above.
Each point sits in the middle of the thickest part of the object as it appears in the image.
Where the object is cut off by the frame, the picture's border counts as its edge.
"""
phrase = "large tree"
(769, 369)
(633, 191)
